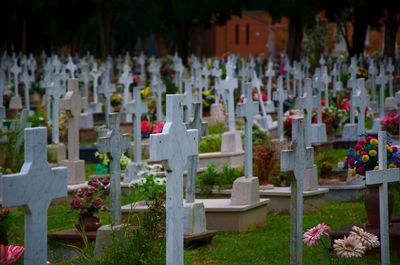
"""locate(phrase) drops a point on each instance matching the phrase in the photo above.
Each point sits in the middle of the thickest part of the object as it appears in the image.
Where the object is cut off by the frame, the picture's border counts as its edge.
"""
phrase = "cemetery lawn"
(268, 245)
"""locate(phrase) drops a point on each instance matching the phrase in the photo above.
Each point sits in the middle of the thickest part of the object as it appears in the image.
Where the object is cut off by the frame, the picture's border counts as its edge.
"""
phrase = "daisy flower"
(349, 247)
(367, 239)
(311, 237)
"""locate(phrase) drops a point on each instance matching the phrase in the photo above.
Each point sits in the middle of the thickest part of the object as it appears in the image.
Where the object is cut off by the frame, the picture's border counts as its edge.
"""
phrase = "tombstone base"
(344, 193)
(245, 190)
(104, 238)
(390, 104)
(310, 181)
(318, 133)
(376, 125)
(231, 159)
(204, 128)
(15, 103)
(231, 142)
(86, 121)
(217, 114)
(132, 170)
(76, 171)
(269, 107)
(195, 218)
(56, 153)
(95, 107)
(350, 132)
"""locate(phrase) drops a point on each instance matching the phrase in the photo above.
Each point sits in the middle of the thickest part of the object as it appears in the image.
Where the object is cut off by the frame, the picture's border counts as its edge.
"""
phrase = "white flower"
(160, 181)
(367, 239)
(142, 181)
(134, 182)
(349, 247)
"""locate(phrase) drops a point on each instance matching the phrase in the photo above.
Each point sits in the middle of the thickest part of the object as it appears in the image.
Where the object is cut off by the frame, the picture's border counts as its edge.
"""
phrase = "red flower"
(362, 142)
(10, 254)
(360, 170)
(358, 147)
(364, 153)
(351, 162)
(394, 149)
(146, 128)
(345, 104)
(157, 128)
(264, 97)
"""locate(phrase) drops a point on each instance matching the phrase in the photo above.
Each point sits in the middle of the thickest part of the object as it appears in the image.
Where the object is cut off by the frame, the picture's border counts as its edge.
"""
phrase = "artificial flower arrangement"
(91, 200)
(11, 254)
(151, 128)
(390, 123)
(346, 250)
(364, 156)
(103, 167)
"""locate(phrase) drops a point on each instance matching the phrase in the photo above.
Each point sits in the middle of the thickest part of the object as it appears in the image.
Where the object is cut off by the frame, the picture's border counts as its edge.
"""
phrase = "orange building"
(254, 33)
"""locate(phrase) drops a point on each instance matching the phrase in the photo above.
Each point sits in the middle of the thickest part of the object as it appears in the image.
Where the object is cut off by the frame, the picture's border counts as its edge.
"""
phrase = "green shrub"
(211, 143)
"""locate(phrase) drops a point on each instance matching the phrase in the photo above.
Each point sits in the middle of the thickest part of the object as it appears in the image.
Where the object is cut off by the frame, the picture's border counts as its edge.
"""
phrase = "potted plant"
(116, 101)
(89, 202)
(364, 157)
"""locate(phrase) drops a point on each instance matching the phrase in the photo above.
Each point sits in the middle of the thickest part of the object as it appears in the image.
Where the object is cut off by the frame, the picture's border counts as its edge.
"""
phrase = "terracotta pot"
(371, 202)
(89, 222)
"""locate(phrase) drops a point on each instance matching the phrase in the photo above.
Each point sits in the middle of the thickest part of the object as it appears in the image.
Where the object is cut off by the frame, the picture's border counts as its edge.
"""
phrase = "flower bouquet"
(89, 202)
(103, 167)
(345, 250)
(390, 123)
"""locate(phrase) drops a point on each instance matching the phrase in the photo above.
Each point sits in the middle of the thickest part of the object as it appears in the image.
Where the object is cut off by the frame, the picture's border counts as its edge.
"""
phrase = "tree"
(299, 13)
(391, 21)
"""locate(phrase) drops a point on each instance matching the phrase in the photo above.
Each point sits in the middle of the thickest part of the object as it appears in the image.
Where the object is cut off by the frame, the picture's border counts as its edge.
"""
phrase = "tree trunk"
(183, 35)
(106, 24)
(23, 37)
(359, 35)
(295, 37)
(391, 27)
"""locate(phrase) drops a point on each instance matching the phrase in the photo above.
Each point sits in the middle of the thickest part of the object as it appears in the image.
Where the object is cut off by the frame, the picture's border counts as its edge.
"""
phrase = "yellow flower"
(352, 172)
(145, 91)
(372, 152)
(389, 148)
(376, 168)
(391, 165)
(365, 158)
(374, 141)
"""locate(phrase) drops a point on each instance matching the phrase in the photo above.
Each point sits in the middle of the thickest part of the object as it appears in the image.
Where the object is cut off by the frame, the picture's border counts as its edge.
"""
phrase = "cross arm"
(59, 185)
(159, 147)
(14, 184)
(193, 137)
(287, 160)
(373, 177)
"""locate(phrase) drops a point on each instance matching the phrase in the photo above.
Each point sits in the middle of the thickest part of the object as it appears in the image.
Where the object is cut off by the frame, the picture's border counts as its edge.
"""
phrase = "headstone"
(71, 67)
(231, 140)
(297, 160)
(280, 95)
(95, 106)
(246, 189)
(173, 146)
(15, 102)
(72, 105)
(137, 107)
(326, 79)
(382, 177)
(34, 188)
(270, 73)
(126, 79)
(115, 144)
(390, 102)
(26, 79)
(360, 101)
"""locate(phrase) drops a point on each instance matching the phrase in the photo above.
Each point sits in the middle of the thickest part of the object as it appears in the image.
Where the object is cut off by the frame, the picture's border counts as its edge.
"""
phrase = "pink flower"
(158, 127)
(311, 237)
(146, 128)
(10, 254)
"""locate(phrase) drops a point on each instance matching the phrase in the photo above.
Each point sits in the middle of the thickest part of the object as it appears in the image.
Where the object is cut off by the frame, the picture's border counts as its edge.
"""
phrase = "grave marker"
(280, 95)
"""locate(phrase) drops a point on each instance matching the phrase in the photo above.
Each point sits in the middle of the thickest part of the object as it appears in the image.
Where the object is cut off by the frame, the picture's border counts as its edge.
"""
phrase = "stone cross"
(85, 78)
(159, 89)
(297, 160)
(382, 177)
(114, 144)
(95, 73)
(390, 70)
(372, 72)
(56, 91)
(247, 110)
(306, 103)
(71, 67)
(337, 84)
(72, 105)
(287, 70)
(230, 84)
(26, 79)
(322, 61)
(142, 62)
(360, 101)
(173, 146)
(381, 80)
(325, 79)
(126, 79)
(15, 102)
(34, 188)
(257, 84)
(107, 89)
(270, 73)
(188, 100)
(280, 95)
(137, 107)
(194, 123)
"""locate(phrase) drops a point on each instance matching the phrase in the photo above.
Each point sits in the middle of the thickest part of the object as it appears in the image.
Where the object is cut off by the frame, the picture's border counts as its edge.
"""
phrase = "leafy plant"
(148, 187)
(206, 179)
(210, 143)
(104, 166)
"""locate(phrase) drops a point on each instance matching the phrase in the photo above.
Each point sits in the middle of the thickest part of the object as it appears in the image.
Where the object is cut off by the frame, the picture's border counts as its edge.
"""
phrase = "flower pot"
(89, 222)
(371, 202)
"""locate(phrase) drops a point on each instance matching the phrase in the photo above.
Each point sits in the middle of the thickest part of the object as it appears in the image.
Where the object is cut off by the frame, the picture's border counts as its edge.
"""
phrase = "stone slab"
(76, 171)
(344, 193)
(245, 191)
(231, 142)
(231, 159)
(104, 236)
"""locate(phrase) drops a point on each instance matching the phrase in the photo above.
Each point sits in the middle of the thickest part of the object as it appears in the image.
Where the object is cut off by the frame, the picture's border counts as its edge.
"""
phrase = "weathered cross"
(325, 79)
(360, 100)
(280, 95)
(247, 110)
(382, 177)
(34, 188)
(126, 79)
(96, 73)
(306, 102)
(56, 91)
(270, 73)
(230, 84)
(114, 144)
(137, 107)
(390, 69)
(173, 146)
(26, 79)
(16, 70)
(381, 80)
(71, 67)
(297, 160)
(188, 101)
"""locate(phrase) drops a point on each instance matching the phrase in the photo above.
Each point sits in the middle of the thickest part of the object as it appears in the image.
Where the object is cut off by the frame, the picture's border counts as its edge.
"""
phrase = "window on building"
(247, 34)
(237, 34)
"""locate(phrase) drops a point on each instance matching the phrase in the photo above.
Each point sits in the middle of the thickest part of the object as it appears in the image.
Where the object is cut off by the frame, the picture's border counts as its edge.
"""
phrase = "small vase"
(89, 222)
(371, 202)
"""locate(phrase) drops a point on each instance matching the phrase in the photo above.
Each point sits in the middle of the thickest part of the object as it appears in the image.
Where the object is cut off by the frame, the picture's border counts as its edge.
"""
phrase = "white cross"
(270, 73)
(71, 67)
(247, 110)
(390, 70)
(96, 73)
(280, 95)
(230, 84)
(173, 146)
(326, 79)
(382, 177)
(34, 188)
(255, 82)
(322, 61)
(115, 144)
(360, 100)
(159, 89)
(137, 107)
(188, 100)
(297, 160)
(16, 70)
(56, 91)
(26, 79)
(381, 80)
